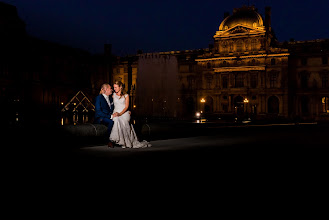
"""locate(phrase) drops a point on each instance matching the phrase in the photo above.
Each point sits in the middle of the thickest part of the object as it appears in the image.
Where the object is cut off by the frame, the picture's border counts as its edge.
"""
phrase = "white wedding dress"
(123, 132)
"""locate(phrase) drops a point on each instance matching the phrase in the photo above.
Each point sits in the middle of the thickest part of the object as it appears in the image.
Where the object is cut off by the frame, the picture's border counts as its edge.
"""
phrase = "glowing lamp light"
(197, 114)
(134, 106)
(203, 100)
(245, 100)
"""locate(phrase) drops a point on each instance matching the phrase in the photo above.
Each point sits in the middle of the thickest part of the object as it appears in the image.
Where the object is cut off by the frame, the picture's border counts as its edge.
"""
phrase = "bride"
(123, 132)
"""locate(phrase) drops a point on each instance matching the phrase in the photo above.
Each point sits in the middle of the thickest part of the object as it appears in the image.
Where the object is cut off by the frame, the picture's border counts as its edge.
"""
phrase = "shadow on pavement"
(266, 172)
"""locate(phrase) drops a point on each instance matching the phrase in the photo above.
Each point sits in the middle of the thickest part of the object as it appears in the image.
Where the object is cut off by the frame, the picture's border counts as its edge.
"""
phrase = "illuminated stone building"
(245, 74)
(309, 79)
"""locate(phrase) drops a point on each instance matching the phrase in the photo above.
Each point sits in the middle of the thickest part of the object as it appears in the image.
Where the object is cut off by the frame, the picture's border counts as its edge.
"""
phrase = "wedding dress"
(123, 132)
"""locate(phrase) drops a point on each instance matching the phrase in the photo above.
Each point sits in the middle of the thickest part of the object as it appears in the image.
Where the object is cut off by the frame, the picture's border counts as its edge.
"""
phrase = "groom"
(104, 109)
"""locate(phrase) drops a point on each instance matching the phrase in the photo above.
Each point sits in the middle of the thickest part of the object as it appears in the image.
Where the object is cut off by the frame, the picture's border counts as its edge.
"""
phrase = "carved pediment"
(239, 30)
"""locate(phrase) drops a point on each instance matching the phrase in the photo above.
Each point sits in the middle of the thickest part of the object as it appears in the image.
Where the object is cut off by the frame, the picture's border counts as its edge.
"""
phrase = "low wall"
(85, 130)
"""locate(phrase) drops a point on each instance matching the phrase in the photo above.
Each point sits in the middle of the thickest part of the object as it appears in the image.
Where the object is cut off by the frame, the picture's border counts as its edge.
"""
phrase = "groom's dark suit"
(103, 112)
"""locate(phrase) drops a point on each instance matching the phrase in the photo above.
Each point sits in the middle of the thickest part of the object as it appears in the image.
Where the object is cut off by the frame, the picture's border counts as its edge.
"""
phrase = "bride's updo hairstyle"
(121, 86)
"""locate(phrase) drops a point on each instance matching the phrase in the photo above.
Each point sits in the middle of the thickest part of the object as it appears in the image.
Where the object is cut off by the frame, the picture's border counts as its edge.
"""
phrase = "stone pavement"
(269, 172)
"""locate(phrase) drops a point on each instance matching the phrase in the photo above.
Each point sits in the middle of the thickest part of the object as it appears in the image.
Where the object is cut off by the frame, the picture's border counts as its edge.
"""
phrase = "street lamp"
(202, 103)
(246, 101)
(202, 107)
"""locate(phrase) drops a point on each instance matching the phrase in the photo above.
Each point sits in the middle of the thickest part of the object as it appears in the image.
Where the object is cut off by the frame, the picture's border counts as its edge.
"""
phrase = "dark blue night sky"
(154, 26)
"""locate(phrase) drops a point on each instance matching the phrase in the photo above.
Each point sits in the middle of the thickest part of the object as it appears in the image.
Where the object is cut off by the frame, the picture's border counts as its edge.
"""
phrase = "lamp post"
(202, 104)
(246, 101)
(202, 107)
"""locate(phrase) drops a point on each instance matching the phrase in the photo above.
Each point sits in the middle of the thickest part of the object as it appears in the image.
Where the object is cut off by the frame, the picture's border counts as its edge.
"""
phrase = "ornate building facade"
(247, 73)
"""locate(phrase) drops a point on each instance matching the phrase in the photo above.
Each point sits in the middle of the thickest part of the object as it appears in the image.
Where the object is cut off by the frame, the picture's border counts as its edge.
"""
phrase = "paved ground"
(259, 172)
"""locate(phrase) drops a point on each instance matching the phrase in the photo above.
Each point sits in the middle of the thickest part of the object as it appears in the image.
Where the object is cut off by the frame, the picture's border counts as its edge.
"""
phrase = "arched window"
(325, 104)
(239, 46)
(304, 61)
(273, 79)
(239, 80)
(272, 61)
(190, 82)
(238, 105)
(225, 47)
(304, 102)
(225, 82)
(208, 107)
(209, 79)
(273, 105)
(253, 44)
(304, 80)
(253, 80)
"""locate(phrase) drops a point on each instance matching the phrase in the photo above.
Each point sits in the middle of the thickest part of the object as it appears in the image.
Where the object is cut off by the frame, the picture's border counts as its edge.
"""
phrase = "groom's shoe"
(110, 144)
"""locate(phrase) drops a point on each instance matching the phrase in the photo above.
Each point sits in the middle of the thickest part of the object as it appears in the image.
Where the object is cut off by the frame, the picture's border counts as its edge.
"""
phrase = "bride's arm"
(126, 106)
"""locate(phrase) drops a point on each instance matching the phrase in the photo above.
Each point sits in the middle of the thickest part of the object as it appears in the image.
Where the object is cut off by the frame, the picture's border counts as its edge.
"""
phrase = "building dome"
(247, 16)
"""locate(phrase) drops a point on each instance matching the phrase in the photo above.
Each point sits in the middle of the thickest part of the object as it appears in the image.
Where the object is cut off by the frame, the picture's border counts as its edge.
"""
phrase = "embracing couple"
(111, 109)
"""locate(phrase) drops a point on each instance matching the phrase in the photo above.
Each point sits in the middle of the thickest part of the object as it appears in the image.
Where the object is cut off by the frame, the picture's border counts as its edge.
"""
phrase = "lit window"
(325, 104)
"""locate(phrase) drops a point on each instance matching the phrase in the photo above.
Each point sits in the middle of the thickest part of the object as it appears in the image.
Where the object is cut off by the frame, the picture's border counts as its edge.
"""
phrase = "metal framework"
(75, 100)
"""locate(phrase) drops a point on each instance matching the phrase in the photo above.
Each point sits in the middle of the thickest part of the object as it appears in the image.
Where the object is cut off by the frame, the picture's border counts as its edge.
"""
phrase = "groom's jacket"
(102, 108)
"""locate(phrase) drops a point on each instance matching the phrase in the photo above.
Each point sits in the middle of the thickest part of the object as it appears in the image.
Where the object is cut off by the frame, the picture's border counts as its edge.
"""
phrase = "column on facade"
(285, 104)
(263, 103)
(217, 103)
(281, 104)
(229, 103)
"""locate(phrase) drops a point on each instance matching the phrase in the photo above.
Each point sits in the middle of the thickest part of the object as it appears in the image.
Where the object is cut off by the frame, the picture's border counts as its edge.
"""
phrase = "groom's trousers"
(107, 122)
